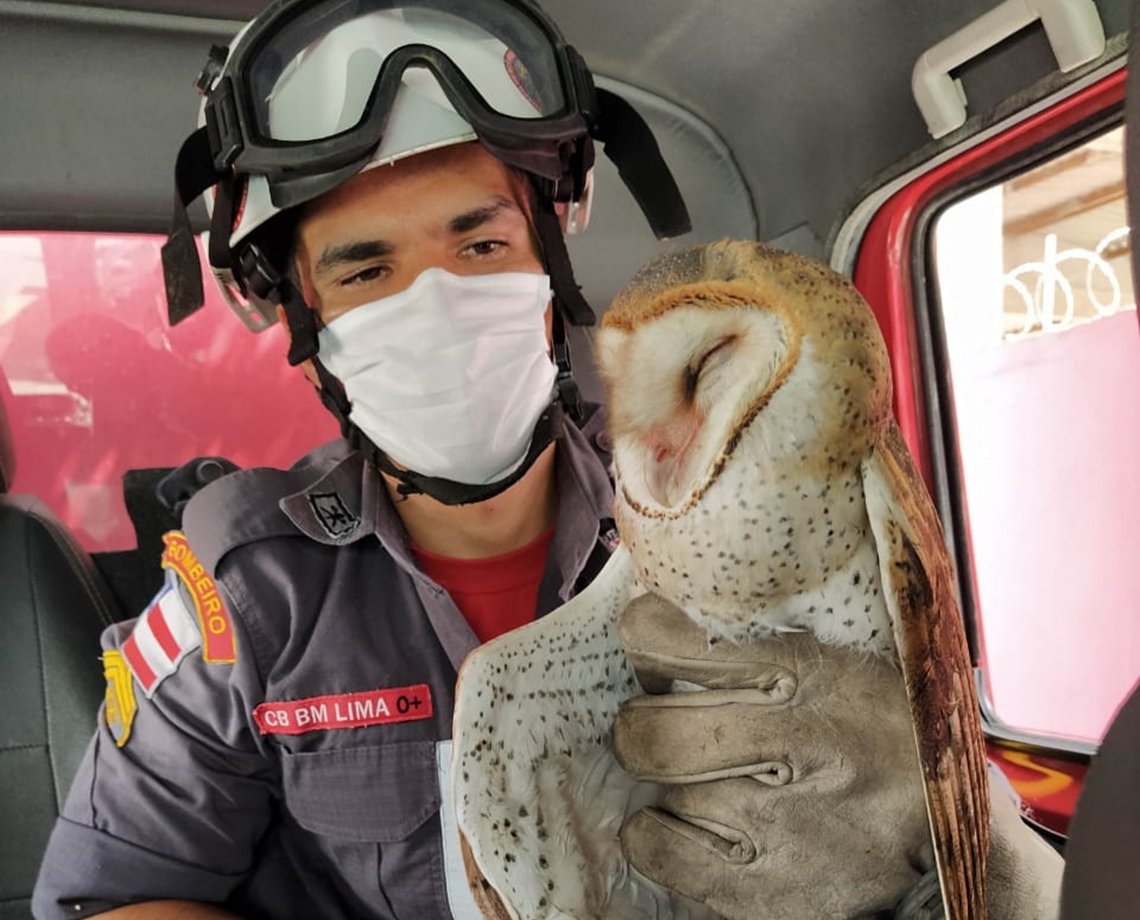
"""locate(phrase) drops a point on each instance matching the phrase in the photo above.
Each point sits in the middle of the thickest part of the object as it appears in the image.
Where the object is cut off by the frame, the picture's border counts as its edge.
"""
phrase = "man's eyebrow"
(476, 217)
(350, 253)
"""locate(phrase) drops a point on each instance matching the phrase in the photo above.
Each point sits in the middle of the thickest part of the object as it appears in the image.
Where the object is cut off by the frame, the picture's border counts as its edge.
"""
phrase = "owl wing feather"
(919, 588)
(539, 796)
(486, 898)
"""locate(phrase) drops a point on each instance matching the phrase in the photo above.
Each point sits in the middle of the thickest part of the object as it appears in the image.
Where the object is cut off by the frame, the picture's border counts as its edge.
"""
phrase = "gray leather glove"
(793, 785)
(1023, 876)
(792, 782)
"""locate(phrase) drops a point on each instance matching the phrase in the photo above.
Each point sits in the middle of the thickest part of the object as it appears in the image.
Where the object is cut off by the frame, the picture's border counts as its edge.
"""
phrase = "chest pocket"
(375, 794)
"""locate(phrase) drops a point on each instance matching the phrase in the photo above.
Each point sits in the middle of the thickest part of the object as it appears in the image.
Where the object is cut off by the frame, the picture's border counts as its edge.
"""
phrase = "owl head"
(731, 351)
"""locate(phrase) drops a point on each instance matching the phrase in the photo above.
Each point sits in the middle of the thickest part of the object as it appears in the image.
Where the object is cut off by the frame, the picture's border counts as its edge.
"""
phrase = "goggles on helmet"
(313, 91)
(309, 88)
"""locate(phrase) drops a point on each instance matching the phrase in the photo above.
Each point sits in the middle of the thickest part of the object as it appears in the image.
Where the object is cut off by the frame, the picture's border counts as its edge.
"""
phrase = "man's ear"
(306, 366)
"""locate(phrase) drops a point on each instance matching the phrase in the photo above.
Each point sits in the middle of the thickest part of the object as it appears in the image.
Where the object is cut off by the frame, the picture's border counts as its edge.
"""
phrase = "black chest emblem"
(333, 514)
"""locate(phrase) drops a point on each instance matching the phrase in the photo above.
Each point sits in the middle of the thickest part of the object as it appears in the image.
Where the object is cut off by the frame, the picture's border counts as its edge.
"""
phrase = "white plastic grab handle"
(1073, 27)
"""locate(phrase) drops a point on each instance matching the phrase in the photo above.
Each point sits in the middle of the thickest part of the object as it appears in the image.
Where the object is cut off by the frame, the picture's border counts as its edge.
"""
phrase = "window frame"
(894, 270)
(934, 359)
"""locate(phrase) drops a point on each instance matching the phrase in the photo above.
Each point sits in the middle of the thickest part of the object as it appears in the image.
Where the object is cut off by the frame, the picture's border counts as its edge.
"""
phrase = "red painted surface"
(883, 268)
(102, 384)
(1048, 786)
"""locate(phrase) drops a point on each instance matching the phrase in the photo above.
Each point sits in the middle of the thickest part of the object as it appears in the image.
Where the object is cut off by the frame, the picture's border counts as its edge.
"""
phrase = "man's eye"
(372, 273)
(485, 247)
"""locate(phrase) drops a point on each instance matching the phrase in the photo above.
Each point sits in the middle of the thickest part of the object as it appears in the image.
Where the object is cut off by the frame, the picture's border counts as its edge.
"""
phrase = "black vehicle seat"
(53, 606)
(1101, 882)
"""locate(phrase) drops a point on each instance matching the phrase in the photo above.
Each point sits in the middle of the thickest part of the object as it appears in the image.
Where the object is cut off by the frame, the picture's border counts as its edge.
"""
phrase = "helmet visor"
(319, 72)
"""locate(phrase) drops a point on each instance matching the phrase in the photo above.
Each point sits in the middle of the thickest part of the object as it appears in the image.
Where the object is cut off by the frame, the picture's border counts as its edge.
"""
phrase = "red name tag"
(344, 710)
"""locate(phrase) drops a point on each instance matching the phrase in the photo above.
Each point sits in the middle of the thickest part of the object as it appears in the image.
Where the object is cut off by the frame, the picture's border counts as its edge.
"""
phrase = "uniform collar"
(348, 502)
(341, 506)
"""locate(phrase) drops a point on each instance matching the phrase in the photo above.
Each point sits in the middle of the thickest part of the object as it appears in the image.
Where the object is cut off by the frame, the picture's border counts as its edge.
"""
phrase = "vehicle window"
(101, 384)
(1041, 338)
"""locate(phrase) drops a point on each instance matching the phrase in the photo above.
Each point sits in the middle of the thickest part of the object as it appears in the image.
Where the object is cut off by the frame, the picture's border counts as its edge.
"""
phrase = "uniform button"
(603, 441)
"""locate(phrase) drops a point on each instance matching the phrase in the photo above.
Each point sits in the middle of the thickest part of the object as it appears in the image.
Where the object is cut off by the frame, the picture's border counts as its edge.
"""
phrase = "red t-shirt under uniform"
(495, 594)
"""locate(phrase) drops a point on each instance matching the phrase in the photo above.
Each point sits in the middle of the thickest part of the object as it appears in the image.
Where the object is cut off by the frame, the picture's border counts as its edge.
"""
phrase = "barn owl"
(762, 486)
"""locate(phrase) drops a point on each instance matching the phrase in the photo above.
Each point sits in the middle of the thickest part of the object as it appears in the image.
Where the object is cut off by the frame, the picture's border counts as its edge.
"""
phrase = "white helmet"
(317, 95)
(312, 92)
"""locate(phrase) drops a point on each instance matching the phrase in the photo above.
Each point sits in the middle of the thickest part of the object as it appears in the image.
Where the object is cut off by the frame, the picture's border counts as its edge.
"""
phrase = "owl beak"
(659, 478)
(667, 458)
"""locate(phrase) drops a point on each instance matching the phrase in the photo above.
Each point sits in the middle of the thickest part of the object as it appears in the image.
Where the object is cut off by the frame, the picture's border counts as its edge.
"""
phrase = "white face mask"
(450, 376)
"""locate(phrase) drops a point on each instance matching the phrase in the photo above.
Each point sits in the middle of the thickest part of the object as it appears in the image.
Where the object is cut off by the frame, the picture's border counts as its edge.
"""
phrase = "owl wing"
(919, 587)
(539, 797)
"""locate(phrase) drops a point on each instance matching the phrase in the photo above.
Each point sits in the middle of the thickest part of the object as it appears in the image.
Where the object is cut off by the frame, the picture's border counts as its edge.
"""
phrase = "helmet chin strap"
(569, 302)
(449, 492)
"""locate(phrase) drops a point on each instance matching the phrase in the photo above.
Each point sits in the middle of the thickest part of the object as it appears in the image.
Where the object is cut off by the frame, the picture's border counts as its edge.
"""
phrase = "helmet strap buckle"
(222, 125)
(564, 383)
(264, 282)
(261, 279)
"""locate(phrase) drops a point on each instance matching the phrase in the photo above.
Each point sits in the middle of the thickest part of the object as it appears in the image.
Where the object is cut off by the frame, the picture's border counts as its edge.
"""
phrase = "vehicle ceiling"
(803, 106)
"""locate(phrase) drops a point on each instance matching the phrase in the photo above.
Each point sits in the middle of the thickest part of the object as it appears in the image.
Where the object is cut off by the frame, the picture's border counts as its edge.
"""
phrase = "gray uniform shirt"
(301, 778)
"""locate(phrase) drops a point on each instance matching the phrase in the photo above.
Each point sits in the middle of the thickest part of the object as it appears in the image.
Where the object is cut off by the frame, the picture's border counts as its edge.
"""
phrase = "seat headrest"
(7, 445)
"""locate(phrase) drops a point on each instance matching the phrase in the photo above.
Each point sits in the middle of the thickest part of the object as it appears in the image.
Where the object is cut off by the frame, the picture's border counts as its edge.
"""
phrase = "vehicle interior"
(962, 161)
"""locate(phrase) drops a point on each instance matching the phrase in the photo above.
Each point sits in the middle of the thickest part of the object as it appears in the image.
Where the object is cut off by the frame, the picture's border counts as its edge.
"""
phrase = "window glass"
(99, 382)
(1044, 359)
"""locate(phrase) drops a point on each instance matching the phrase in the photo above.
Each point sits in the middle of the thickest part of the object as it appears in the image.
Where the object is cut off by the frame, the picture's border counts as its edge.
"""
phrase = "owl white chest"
(766, 552)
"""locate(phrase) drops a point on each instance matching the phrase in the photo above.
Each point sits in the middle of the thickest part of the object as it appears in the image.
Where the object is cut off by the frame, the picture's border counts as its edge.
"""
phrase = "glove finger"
(696, 862)
(667, 739)
(803, 848)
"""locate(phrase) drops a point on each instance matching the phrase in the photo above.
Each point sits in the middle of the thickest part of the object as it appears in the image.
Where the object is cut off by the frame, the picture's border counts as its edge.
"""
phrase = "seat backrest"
(53, 606)
(1101, 882)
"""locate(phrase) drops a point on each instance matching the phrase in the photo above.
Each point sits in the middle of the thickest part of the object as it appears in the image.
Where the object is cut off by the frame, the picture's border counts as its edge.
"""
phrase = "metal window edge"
(848, 237)
(996, 728)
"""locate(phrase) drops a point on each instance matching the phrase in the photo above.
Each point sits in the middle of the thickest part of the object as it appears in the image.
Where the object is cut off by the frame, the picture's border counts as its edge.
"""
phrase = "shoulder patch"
(216, 629)
(165, 634)
(120, 707)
